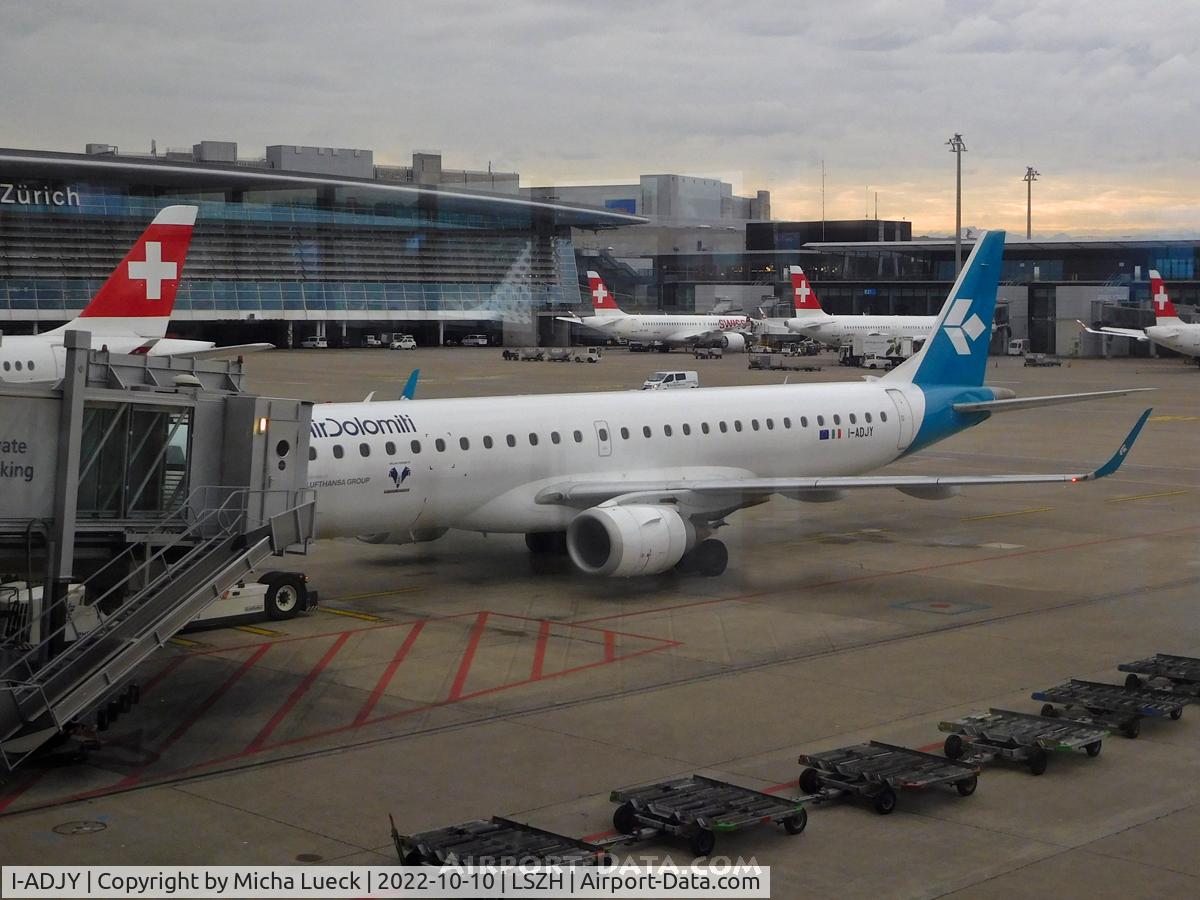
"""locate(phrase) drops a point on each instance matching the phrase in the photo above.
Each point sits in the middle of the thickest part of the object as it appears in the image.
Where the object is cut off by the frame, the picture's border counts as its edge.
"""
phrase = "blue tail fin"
(956, 352)
(410, 386)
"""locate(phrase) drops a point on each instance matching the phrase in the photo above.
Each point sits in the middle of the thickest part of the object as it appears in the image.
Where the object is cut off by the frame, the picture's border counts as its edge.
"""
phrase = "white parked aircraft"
(635, 483)
(130, 312)
(607, 318)
(813, 322)
(1168, 329)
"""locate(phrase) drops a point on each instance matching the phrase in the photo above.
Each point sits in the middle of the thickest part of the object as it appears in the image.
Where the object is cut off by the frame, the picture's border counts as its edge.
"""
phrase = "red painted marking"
(598, 836)
(386, 677)
(162, 673)
(929, 748)
(468, 658)
(539, 652)
(758, 595)
(5, 802)
(196, 714)
(300, 691)
(610, 646)
(781, 787)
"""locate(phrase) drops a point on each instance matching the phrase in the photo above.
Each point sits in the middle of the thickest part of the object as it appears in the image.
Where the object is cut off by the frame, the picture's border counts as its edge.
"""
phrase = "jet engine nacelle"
(629, 540)
(734, 341)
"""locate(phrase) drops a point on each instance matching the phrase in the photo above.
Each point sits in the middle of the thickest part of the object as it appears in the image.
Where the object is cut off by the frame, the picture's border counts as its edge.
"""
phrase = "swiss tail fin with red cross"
(1164, 309)
(139, 295)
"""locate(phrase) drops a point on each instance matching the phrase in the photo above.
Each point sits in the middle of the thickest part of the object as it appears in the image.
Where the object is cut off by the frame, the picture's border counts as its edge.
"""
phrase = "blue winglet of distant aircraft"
(410, 386)
(1117, 458)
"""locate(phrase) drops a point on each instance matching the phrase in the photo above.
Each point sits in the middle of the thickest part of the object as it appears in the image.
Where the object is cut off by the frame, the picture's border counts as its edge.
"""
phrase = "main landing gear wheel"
(711, 557)
(284, 599)
(547, 542)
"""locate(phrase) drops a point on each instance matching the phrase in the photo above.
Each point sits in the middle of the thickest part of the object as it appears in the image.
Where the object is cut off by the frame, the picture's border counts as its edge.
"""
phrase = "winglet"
(410, 386)
(1119, 457)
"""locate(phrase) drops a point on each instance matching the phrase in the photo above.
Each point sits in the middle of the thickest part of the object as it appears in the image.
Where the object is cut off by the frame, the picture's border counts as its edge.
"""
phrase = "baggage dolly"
(876, 771)
(1181, 673)
(1112, 705)
(697, 808)
(496, 842)
(1019, 737)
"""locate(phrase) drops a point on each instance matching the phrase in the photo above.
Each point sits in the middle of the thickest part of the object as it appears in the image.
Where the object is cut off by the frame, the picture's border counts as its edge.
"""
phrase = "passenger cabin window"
(837, 420)
(416, 446)
(364, 450)
(30, 364)
(440, 445)
(787, 422)
(624, 433)
(390, 448)
(464, 443)
(667, 430)
(578, 435)
(603, 434)
(820, 420)
(882, 416)
(754, 424)
(737, 424)
(804, 421)
(338, 452)
(853, 420)
(312, 453)
(555, 438)
(646, 430)
(487, 441)
(687, 429)
(868, 418)
(511, 440)
(533, 439)
(770, 424)
(724, 428)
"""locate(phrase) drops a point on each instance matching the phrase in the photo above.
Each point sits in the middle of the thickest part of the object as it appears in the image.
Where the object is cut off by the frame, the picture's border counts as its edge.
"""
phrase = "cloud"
(1090, 92)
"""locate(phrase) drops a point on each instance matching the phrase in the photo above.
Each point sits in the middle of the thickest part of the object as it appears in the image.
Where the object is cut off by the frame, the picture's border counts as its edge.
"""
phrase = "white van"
(666, 381)
(475, 340)
(315, 343)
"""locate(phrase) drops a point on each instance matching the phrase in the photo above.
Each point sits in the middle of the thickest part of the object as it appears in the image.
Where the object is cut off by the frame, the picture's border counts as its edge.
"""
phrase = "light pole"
(1031, 175)
(958, 148)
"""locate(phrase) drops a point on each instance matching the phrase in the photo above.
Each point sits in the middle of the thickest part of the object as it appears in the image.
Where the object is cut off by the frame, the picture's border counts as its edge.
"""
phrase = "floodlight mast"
(1031, 175)
(958, 147)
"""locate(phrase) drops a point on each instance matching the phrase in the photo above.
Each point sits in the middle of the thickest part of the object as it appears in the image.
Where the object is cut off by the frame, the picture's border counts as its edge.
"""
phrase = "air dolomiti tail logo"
(153, 270)
(963, 334)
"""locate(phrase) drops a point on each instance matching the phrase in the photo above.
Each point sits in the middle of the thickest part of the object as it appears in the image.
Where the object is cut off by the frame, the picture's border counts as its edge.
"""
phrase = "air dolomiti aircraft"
(1168, 329)
(607, 317)
(812, 321)
(130, 312)
(635, 483)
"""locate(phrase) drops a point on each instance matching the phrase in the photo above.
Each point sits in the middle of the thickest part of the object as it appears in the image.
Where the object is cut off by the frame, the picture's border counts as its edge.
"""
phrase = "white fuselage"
(456, 480)
(40, 357)
(1182, 337)
(839, 330)
(655, 327)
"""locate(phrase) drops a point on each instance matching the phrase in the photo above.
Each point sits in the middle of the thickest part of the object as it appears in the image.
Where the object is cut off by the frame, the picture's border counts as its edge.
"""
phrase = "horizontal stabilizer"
(1016, 403)
(223, 352)
(1134, 333)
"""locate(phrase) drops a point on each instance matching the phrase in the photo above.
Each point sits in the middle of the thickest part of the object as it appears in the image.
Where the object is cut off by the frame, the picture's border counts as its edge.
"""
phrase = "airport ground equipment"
(154, 484)
(558, 354)
(1111, 705)
(1175, 673)
(780, 361)
(707, 352)
(698, 809)
(1041, 360)
(1017, 737)
(877, 771)
(497, 841)
(589, 355)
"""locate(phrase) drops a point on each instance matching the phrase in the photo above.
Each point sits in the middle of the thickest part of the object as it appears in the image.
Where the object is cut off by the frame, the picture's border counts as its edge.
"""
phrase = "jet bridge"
(132, 494)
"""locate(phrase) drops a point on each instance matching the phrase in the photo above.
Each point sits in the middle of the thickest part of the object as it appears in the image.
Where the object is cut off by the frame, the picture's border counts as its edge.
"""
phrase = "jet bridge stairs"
(52, 678)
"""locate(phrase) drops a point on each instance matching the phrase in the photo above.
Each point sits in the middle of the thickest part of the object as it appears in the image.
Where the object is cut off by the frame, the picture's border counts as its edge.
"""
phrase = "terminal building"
(302, 241)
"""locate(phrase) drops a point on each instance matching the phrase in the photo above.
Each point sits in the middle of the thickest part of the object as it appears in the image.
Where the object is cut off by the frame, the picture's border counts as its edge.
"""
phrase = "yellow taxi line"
(1146, 496)
(1003, 515)
(366, 617)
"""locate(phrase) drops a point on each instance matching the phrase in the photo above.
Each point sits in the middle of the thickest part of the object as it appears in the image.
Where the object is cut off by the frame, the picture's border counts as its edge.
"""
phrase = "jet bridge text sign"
(28, 450)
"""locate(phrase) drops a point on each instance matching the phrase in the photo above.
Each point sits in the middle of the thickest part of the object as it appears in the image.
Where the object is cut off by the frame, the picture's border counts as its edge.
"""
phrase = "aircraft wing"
(1135, 333)
(806, 326)
(1010, 404)
(728, 494)
(224, 352)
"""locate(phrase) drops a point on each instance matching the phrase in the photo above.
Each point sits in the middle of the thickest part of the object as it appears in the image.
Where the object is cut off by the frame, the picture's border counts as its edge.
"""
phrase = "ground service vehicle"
(666, 381)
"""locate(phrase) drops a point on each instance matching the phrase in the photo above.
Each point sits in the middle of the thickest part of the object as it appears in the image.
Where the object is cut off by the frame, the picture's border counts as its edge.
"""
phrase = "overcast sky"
(1102, 97)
